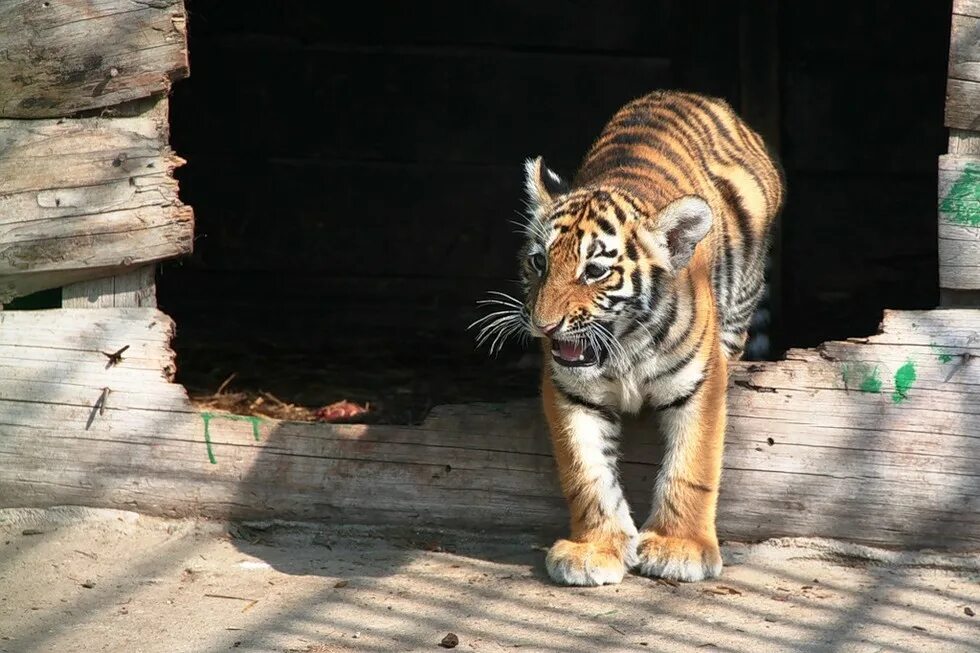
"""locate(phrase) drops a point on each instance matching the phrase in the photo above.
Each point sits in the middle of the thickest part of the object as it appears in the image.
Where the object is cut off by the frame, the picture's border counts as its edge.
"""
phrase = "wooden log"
(959, 221)
(87, 198)
(966, 8)
(63, 57)
(964, 48)
(872, 440)
(963, 85)
(130, 289)
(962, 141)
(963, 104)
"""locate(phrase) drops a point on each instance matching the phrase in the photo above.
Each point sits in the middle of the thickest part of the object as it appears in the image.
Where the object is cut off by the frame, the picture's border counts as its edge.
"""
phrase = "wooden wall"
(86, 190)
(959, 170)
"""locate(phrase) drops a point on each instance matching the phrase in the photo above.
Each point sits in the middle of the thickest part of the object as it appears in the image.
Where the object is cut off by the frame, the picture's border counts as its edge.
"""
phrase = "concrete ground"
(80, 580)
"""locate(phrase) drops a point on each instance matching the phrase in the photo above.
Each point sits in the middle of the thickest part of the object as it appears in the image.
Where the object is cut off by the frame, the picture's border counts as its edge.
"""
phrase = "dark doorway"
(353, 176)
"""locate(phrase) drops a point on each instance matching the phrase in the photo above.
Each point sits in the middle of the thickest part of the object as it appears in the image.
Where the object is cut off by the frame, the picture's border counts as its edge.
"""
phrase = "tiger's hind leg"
(602, 542)
(678, 541)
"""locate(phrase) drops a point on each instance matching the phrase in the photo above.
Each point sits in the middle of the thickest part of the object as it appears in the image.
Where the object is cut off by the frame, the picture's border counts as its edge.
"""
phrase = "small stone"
(341, 583)
(968, 611)
(449, 641)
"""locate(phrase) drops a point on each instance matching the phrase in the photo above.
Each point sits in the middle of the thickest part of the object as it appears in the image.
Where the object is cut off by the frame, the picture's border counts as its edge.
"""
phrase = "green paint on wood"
(962, 202)
(207, 436)
(872, 382)
(207, 417)
(861, 376)
(904, 378)
(941, 355)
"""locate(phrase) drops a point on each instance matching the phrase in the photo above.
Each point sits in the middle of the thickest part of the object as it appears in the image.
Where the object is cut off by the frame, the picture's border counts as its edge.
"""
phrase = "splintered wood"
(80, 199)
(65, 57)
(872, 440)
(963, 84)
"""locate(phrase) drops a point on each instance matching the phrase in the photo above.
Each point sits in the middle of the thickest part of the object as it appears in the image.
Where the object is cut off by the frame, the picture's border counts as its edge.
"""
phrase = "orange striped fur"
(641, 277)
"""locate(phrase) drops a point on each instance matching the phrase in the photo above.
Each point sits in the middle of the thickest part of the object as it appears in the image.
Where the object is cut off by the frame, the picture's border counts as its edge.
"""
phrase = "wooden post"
(959, 170)
(136, 289)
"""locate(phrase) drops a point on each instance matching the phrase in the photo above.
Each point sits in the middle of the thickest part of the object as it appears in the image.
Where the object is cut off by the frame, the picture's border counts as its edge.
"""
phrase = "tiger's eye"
(538, 262)
(594, 271)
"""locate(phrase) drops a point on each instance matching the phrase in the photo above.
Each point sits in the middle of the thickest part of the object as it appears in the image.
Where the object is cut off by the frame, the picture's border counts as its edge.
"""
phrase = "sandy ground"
(79, 580)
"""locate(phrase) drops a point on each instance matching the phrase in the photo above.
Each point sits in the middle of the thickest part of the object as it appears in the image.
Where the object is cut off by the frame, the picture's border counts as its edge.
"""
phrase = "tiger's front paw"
(677, 558)
(585, 563)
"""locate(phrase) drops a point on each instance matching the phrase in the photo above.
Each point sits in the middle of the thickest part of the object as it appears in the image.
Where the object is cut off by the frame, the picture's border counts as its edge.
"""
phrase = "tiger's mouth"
(575, 353)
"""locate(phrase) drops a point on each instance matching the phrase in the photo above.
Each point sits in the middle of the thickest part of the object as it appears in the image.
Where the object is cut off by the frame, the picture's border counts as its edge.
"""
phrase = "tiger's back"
(669, 144)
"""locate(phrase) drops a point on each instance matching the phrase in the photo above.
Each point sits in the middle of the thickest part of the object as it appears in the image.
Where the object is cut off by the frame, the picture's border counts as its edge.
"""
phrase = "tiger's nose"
(548, 329)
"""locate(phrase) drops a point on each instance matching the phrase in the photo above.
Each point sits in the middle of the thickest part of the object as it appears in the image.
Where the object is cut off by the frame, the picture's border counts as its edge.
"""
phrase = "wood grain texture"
(962, 141)
(959, 221)
(967, 7)
(86, 198)
(963, 85)
(61, 57)
(963, 104)
(130, 289)
(842, 441)
(964, 48)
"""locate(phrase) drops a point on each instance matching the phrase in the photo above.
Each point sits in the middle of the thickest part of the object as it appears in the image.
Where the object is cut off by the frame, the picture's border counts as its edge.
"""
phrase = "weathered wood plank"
(87, 198)
(967, 7)
(963, 104)
(130, 289)
(873, 440)
(959, 221)
(964, 48)
(962, 141)
(64, 57)
(963, 85)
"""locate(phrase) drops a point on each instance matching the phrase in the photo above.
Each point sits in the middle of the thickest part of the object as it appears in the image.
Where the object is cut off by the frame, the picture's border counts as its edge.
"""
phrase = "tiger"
(640, 277)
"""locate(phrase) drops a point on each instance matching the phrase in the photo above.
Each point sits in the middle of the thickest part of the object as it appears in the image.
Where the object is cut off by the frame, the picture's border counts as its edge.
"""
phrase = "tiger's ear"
(542, 184)
(684, 222)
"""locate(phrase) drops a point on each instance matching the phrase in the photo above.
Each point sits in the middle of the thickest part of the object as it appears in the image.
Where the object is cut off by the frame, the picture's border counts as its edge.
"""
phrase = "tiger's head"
(597, 264)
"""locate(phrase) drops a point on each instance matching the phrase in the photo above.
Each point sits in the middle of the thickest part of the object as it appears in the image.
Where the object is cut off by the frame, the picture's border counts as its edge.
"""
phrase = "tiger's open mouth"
(575, 353)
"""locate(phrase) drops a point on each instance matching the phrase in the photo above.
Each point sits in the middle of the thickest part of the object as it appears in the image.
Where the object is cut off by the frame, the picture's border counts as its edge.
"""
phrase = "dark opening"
(353, 176)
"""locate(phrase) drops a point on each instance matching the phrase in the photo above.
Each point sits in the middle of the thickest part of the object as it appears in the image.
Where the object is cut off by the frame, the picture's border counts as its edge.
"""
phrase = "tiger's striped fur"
(641, 277)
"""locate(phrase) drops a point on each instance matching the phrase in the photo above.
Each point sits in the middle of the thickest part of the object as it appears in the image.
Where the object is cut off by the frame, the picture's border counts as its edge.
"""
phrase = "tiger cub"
(641, 277)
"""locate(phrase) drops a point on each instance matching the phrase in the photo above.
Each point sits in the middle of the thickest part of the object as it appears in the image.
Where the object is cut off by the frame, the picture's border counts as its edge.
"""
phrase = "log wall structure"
(870, 439)
(87, 195)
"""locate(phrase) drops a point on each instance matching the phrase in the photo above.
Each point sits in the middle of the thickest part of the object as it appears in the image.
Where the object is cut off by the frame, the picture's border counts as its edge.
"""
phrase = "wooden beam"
(959, 222)
(964, 48)
(872, 440)
(64, 57)
(130, 289)
(963, 85)
(86, 198)
(962, 141)
(967, 8)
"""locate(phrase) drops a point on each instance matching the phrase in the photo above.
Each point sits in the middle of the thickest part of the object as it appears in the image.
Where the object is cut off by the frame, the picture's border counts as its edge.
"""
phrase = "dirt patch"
(182, 586)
